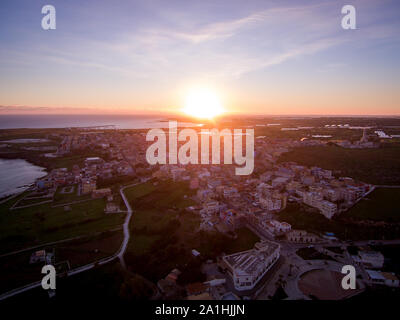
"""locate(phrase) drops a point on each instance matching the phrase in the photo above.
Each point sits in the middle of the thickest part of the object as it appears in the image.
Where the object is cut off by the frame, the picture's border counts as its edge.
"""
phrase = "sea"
(68, 121)
(16, 175)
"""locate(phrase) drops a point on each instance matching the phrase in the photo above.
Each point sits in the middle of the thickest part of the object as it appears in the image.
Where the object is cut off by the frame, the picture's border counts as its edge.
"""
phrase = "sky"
(143, 56)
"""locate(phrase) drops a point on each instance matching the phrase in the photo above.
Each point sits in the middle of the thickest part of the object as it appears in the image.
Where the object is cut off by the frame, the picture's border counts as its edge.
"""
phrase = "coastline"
(20, 188)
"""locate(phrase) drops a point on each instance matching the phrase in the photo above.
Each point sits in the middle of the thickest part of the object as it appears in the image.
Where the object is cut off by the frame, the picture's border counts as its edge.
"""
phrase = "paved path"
(119, 254)
(126, 227)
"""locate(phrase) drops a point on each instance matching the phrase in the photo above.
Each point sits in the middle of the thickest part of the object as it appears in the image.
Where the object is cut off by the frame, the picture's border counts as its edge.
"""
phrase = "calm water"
(65, 121)
(16, 174)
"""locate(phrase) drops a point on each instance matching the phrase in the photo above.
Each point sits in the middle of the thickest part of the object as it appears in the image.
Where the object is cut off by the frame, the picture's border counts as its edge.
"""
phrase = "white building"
(301, 236)
(315, 199)
(277, 227)
(312, 198)
(371, 259)
(328, 209)
(383, 278)
(247, 267)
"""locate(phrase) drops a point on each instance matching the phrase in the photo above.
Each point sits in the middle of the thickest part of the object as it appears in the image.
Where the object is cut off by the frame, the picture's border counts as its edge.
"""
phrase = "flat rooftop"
(248, 262)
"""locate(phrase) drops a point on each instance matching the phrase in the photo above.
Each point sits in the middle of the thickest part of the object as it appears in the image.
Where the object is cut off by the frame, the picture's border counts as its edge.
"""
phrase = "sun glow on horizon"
(202, 103)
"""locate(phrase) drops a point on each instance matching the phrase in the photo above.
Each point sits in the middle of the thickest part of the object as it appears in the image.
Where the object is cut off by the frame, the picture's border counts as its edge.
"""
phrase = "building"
(93, 160)
(211, 207)
(101, 193)
(247, 268)
(383, 278)
(168, 286)
(333, 194)
(38, 256)
(277, 227)
(280, 182)
(88, 186)
(194, 183)
(301, 236)
(111, 207)
(371, 259)
(312, 199)
(231, 219)
(315, 200)
(271, 200)
(328, 209)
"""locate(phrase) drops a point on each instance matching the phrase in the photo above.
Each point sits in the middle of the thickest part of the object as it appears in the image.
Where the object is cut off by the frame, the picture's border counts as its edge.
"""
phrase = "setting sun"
(202, 103)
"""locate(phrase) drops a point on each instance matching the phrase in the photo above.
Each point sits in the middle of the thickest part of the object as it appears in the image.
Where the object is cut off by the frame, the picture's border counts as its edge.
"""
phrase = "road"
(126, 226)
(119, 254)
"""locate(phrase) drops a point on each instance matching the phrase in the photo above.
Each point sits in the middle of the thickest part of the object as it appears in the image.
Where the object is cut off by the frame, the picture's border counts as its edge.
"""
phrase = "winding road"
(126, 227)
(119, 254)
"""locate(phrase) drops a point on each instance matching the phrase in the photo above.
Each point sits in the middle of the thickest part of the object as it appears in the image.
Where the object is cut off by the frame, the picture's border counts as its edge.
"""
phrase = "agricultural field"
(377, 166)
(43, 223)
(17, 271)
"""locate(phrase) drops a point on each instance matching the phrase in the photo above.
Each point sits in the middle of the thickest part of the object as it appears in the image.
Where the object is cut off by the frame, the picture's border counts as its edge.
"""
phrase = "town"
(276, 258)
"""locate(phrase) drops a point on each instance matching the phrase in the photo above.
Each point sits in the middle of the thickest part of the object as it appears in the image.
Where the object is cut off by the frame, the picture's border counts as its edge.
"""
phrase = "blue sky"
(262, 57)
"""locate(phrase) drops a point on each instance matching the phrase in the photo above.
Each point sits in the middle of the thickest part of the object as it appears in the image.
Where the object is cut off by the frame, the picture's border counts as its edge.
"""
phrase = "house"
(168, 286)
(101, 193)
(173, 275)
(277, 227)
(38, 256)
(195, 253)
(88, 186)
(111, 207)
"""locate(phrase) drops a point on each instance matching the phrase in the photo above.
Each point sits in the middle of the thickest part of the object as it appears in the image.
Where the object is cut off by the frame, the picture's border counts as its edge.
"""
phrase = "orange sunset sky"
(258, 57)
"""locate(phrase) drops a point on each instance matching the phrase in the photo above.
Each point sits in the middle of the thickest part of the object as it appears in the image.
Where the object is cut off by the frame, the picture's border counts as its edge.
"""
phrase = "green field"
(376, 166)
(315, 222)
(163, 234)
(40, 224)
(381, 205)
(17, 271)
(64, 198)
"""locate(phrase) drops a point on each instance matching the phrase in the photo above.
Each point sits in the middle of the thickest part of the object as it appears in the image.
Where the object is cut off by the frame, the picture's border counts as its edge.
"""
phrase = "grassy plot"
(39, 224)
(139, 190)
(17, 271)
